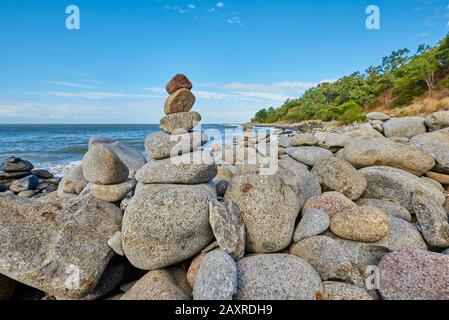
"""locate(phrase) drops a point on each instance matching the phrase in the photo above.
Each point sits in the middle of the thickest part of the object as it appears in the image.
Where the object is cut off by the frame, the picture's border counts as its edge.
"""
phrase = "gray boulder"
(338, 175)
(309, 155)
(377, 116)
(24, 184)
(284, 141)
(130, 156)
(339, 291)
(388, 207)
(7, 177)
(228, 228)
(190, 168)
(57, 246)
(433, 220)
(404, 127)
(113, 192)
(178, 123)
(330, 259)
(16, 165)
(307, 184)
(438, 120)
(367, 152)
(166, 224)
(269, 208)
(102, 166)
(216, 278)
(339, 140)
(303, 140)
(74, 182)
(161, 145)
(397, 185)
(110, 280)
(269, 277)
(165, 284)
(313, 223)
(437, 145)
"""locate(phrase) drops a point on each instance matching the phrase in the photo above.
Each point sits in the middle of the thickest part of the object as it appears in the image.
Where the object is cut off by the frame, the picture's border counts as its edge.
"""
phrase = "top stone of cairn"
(179, 81)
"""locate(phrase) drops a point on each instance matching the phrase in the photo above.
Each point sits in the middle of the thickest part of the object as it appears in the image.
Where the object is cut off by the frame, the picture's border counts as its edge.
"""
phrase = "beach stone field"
(358, 212)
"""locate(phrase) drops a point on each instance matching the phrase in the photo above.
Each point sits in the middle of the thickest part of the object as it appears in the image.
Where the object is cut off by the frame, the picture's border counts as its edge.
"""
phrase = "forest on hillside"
(401, 78)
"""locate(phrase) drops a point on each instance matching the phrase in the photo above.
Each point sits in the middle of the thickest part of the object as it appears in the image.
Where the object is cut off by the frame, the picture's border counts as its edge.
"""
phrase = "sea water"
(60, 147)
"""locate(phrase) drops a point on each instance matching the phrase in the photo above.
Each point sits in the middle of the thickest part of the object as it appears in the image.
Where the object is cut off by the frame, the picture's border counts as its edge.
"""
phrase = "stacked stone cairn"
(18, 177)
(167, 220)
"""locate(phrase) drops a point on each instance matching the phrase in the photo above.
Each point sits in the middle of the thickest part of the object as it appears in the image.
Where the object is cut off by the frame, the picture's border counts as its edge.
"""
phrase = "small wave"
(62, 169)
(73, 150)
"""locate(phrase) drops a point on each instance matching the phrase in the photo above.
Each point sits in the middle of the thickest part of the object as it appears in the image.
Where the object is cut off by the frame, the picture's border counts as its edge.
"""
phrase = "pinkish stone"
(330, 203)
(414, 275)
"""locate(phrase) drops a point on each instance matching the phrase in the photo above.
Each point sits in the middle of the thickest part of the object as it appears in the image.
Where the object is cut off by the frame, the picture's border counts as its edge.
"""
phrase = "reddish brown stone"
(414, 275)
(179, 81)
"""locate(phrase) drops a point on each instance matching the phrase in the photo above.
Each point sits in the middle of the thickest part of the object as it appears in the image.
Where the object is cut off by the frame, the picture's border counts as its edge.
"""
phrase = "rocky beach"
(316, 211)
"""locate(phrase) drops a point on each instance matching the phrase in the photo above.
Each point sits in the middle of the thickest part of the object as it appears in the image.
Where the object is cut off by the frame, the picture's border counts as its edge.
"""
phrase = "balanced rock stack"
(107, 174)
(167, 220)
(18, 177)
(179, 118)
(107, 171)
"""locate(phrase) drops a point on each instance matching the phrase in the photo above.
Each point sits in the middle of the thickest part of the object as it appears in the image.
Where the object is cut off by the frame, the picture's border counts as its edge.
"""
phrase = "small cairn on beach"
(108, 175)
(18, 177)
(106, 172)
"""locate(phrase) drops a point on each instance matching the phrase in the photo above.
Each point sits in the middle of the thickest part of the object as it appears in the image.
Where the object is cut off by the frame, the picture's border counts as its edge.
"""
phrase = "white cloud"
(234, 20)
(217, 103)
(70, 84)
(33, 111)
(191, 6)
(279, 86)
(176, 9)
(211, 95)
(95, 95)
(36, 112)
(91, 80)
(220, 5)
(157, 90)
(272, 96)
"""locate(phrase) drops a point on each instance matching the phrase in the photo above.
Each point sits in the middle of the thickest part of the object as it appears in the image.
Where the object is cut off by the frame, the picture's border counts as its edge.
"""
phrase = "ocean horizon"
(59, 147)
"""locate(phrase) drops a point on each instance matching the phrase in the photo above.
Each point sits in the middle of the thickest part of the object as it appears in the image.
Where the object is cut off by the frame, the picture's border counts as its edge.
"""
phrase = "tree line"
(396, 82)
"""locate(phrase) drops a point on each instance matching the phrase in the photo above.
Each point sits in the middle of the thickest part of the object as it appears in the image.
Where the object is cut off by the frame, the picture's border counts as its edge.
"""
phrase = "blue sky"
(241, 55)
